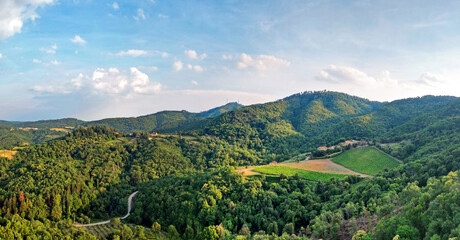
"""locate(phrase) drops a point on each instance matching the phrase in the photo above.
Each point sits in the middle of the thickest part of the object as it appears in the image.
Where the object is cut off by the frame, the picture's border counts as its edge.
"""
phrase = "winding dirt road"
(130, 201)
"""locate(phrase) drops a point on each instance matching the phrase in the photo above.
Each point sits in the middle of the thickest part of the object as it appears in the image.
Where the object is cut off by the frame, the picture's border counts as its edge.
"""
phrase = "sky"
(93, 59)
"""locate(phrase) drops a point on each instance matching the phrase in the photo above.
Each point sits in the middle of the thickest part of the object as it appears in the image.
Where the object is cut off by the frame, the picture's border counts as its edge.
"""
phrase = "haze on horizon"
(93, 59)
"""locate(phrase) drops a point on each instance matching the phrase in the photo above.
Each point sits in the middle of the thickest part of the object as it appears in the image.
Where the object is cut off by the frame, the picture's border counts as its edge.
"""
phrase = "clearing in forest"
(289, 171)
(7, 154)
(368, 160)
(323, 166)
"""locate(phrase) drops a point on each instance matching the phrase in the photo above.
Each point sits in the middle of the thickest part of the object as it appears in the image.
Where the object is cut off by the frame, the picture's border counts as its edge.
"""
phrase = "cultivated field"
(60, 130)
(289, 171)
(323, 166)
(102, 231)
(368, 160)
(7, 154)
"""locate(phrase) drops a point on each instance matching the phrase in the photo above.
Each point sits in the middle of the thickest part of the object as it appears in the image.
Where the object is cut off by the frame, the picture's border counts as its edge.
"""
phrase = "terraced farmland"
(101, 231)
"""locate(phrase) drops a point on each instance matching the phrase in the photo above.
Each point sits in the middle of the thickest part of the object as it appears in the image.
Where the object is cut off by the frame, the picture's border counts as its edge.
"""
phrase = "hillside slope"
(304, 121)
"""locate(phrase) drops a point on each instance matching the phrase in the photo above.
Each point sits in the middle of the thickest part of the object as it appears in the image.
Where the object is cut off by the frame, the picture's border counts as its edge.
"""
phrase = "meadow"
(288, 171)
(368, 160)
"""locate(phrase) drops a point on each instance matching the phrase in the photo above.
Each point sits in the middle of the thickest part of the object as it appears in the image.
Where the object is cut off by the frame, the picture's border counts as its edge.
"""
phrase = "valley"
(242, 173)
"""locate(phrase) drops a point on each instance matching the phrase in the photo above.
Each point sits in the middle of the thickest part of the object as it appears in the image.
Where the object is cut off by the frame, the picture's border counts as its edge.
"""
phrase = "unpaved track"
(130, 201)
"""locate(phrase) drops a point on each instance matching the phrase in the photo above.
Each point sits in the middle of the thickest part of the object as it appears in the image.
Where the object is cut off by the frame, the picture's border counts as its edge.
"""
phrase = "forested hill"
(305, 120)
(189, 188)
(45, 124)
(164, 121)
(300, 121)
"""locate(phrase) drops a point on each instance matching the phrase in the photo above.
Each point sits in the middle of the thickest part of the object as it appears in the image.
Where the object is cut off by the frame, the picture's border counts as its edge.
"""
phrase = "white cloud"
(227, 57)
(429, 79)
(164, 54)
(337, 74)
(192, 54)
(1, 56)
(49, 50)
(380, 86)
(55, 63)
(194, 82)
(140, 83)
(14, 13)
(140, 15)
(115, 6)
(132, 53)
(178, 65)
(261, 62)
(162, 16)
(36, 61)
(198, 68)
(75, 84)
(78, 40)
(113, 81)
(106, 81)
(148, 68)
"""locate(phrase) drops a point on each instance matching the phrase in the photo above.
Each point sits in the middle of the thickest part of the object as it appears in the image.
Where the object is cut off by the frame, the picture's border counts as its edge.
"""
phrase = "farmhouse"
(322, 148)
(274, 162)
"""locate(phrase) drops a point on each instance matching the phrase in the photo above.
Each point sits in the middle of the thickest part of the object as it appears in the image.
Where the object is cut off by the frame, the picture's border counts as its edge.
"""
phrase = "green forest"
(189, 187)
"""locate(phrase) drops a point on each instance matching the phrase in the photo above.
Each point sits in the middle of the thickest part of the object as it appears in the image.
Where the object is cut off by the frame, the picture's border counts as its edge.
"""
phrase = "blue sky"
(92, 59)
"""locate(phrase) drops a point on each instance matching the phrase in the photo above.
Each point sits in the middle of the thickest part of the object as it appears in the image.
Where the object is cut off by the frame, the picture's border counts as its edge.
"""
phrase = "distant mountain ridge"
(160, 121)
(298, 121)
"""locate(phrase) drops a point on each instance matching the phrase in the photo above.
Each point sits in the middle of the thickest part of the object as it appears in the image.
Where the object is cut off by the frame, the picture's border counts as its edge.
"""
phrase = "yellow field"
(247, 171)
(60, 130)
(7, 154)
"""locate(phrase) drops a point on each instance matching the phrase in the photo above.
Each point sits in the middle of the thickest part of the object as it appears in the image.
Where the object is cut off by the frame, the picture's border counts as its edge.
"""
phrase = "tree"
(245, 231)
(360, 235)
(116, 222)
(220, 230)
(173, 234)
(156, 227)
(273, 228)
(140, 232)
(189, 233)
(406, 232)
(209, 233)
(289, 228)
(125, 233)
(56, 212)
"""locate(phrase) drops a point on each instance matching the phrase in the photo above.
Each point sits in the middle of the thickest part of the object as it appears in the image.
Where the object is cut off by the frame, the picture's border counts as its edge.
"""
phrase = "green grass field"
(288, 171)
(366, 160)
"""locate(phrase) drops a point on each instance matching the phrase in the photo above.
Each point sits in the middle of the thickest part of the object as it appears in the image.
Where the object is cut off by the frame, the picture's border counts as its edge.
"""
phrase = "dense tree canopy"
(188, 187)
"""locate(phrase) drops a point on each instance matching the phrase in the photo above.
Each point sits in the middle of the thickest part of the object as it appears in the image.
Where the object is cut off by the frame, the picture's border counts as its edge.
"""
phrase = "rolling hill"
(189, 186)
